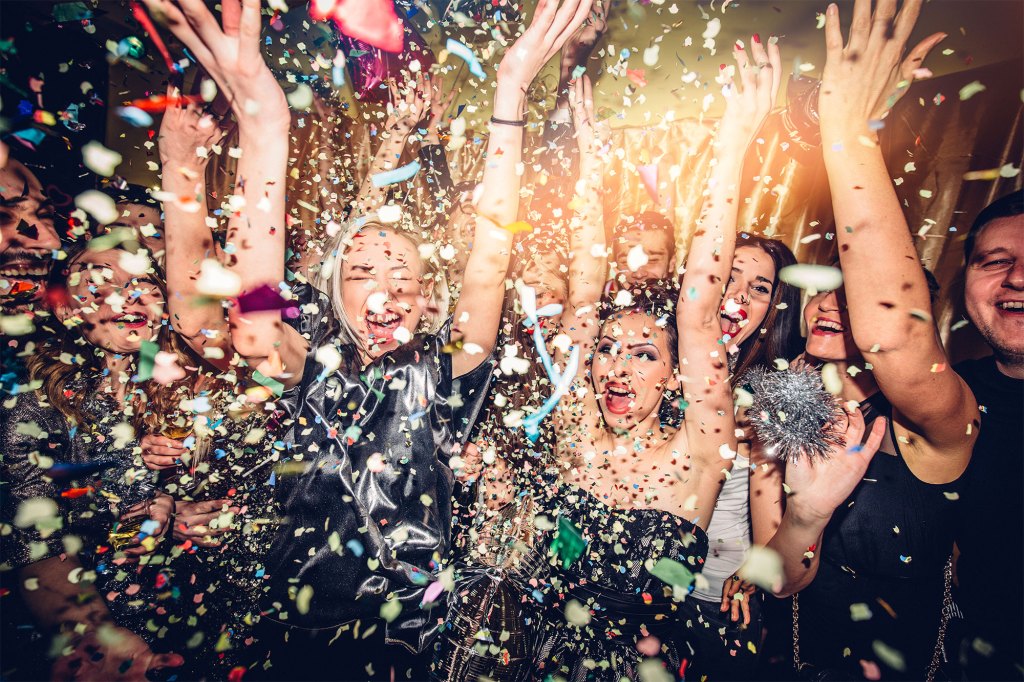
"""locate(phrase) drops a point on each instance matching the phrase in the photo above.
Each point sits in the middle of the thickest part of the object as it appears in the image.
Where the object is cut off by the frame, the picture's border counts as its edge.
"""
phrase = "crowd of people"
(473, 439)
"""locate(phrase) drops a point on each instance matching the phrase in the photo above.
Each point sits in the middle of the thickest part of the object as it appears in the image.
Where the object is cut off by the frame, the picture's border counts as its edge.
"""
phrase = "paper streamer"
(400, 174)
(561, 381)
(464, 53)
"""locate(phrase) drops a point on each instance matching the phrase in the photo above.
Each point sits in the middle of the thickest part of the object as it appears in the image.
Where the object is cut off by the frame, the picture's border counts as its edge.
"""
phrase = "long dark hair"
(779, 333)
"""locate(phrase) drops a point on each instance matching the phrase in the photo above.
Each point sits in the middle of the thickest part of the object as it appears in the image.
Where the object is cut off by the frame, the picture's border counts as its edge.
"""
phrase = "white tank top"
(729, 532)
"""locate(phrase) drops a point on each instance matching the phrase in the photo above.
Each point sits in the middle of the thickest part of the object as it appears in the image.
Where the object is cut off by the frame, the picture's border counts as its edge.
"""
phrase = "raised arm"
(710, 425)
(406, 111)
(256, 229)
(580, 417)
(886, 290)
(478, 313)
(183, 132)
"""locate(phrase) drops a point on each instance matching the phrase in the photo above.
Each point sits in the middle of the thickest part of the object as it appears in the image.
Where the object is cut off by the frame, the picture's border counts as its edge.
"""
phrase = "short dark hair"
(1005, 207)
(650, 221)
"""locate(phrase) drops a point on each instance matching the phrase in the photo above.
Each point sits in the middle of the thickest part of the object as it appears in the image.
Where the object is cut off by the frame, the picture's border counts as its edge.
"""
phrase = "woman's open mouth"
(731, 320)
(131, 320)
(618, 398)
(382, 326)
(826, 327)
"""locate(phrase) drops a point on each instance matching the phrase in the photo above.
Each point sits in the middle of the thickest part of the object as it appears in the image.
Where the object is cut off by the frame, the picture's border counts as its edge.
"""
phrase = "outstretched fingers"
(570, 17)
(918, 54)
(833, 34)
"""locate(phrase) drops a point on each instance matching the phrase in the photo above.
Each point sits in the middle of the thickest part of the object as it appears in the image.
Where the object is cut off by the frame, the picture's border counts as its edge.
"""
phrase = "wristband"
(501, 121)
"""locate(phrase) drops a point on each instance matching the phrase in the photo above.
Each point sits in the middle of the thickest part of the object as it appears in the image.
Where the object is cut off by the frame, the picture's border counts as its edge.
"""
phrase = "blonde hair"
(329, 280)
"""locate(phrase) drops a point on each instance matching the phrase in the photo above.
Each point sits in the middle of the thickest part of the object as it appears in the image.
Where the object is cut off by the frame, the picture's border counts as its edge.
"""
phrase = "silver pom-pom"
(792, 413)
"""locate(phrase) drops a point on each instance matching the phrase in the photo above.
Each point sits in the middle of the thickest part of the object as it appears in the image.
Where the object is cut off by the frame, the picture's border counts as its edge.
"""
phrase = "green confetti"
(389, 610)
(970, 90)
(673, 573)
(303, 598)
(273, 384)
(891, 657)
(568, 544)
(147, 358)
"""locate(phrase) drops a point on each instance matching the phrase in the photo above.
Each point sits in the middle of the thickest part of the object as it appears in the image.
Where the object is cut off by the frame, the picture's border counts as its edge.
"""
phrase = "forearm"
(478, 313)
(189, 242)
(766, 501)
(709, 260)
(389, 153)
(798, 543)
(883, 277)
(588, 266)
(55, 600)
(256, 234)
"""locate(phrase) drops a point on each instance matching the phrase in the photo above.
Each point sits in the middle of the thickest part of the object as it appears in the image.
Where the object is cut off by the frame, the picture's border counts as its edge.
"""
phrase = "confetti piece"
(812, 277)
(970, 90)
(217, 281)
(400, 174)
(135, 116)
(99, 159)
(99, 205)
(518, 226)
(673, 573)
(568, 544)
(371, 21)
(147, 360)
(465, 53)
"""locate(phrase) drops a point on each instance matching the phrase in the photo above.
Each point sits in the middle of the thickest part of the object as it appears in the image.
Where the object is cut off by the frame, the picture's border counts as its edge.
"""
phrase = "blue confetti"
(464, 53)
(400, 174)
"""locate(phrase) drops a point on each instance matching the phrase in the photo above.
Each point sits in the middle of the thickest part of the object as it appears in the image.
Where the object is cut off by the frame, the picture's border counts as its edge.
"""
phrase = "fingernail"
(757, 38)
(832, 8)
(739, 45)
(721, 67)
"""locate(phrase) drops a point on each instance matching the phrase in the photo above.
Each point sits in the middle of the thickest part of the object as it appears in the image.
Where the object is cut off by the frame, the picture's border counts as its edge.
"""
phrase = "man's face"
(994, 286)
(655, 245)
(27, 238)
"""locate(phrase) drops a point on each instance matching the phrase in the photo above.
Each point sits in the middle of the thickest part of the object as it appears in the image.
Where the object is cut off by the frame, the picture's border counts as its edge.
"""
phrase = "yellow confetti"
(518, 226)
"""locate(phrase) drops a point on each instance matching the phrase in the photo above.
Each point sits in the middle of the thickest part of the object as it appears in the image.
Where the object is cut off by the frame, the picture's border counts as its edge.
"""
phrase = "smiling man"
(990, 569)
(28, 238)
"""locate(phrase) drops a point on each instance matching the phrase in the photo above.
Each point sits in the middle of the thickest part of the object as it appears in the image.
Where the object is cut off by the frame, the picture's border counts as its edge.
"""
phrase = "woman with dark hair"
(866, 543)
(70, 442)
(760, 323)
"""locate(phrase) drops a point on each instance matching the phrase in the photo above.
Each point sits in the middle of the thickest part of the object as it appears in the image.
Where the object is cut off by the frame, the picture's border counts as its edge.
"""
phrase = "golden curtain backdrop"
(931, 139)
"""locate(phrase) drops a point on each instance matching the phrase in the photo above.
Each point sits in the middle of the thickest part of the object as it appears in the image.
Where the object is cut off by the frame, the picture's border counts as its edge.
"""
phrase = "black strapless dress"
(611, 582)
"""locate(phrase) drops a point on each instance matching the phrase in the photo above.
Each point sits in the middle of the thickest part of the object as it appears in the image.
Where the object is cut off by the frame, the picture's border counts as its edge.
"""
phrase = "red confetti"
(372, 21)
(75, 492)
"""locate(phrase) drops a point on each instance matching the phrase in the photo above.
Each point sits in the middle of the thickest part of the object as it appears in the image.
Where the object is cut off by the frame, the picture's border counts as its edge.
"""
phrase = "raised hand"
(864, 79)
(230, 53)
(111, 653)
(818, 486)
(439, 104)
(579, 46)
(553, 23)
(183, 131)
(590, 135)
(410, 104)
(750, 97)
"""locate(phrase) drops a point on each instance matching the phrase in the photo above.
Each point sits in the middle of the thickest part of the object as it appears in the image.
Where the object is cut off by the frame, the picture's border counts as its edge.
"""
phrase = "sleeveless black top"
(877, 596)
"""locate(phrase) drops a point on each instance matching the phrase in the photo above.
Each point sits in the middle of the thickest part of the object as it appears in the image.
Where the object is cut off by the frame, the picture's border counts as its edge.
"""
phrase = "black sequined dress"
(611, 582)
